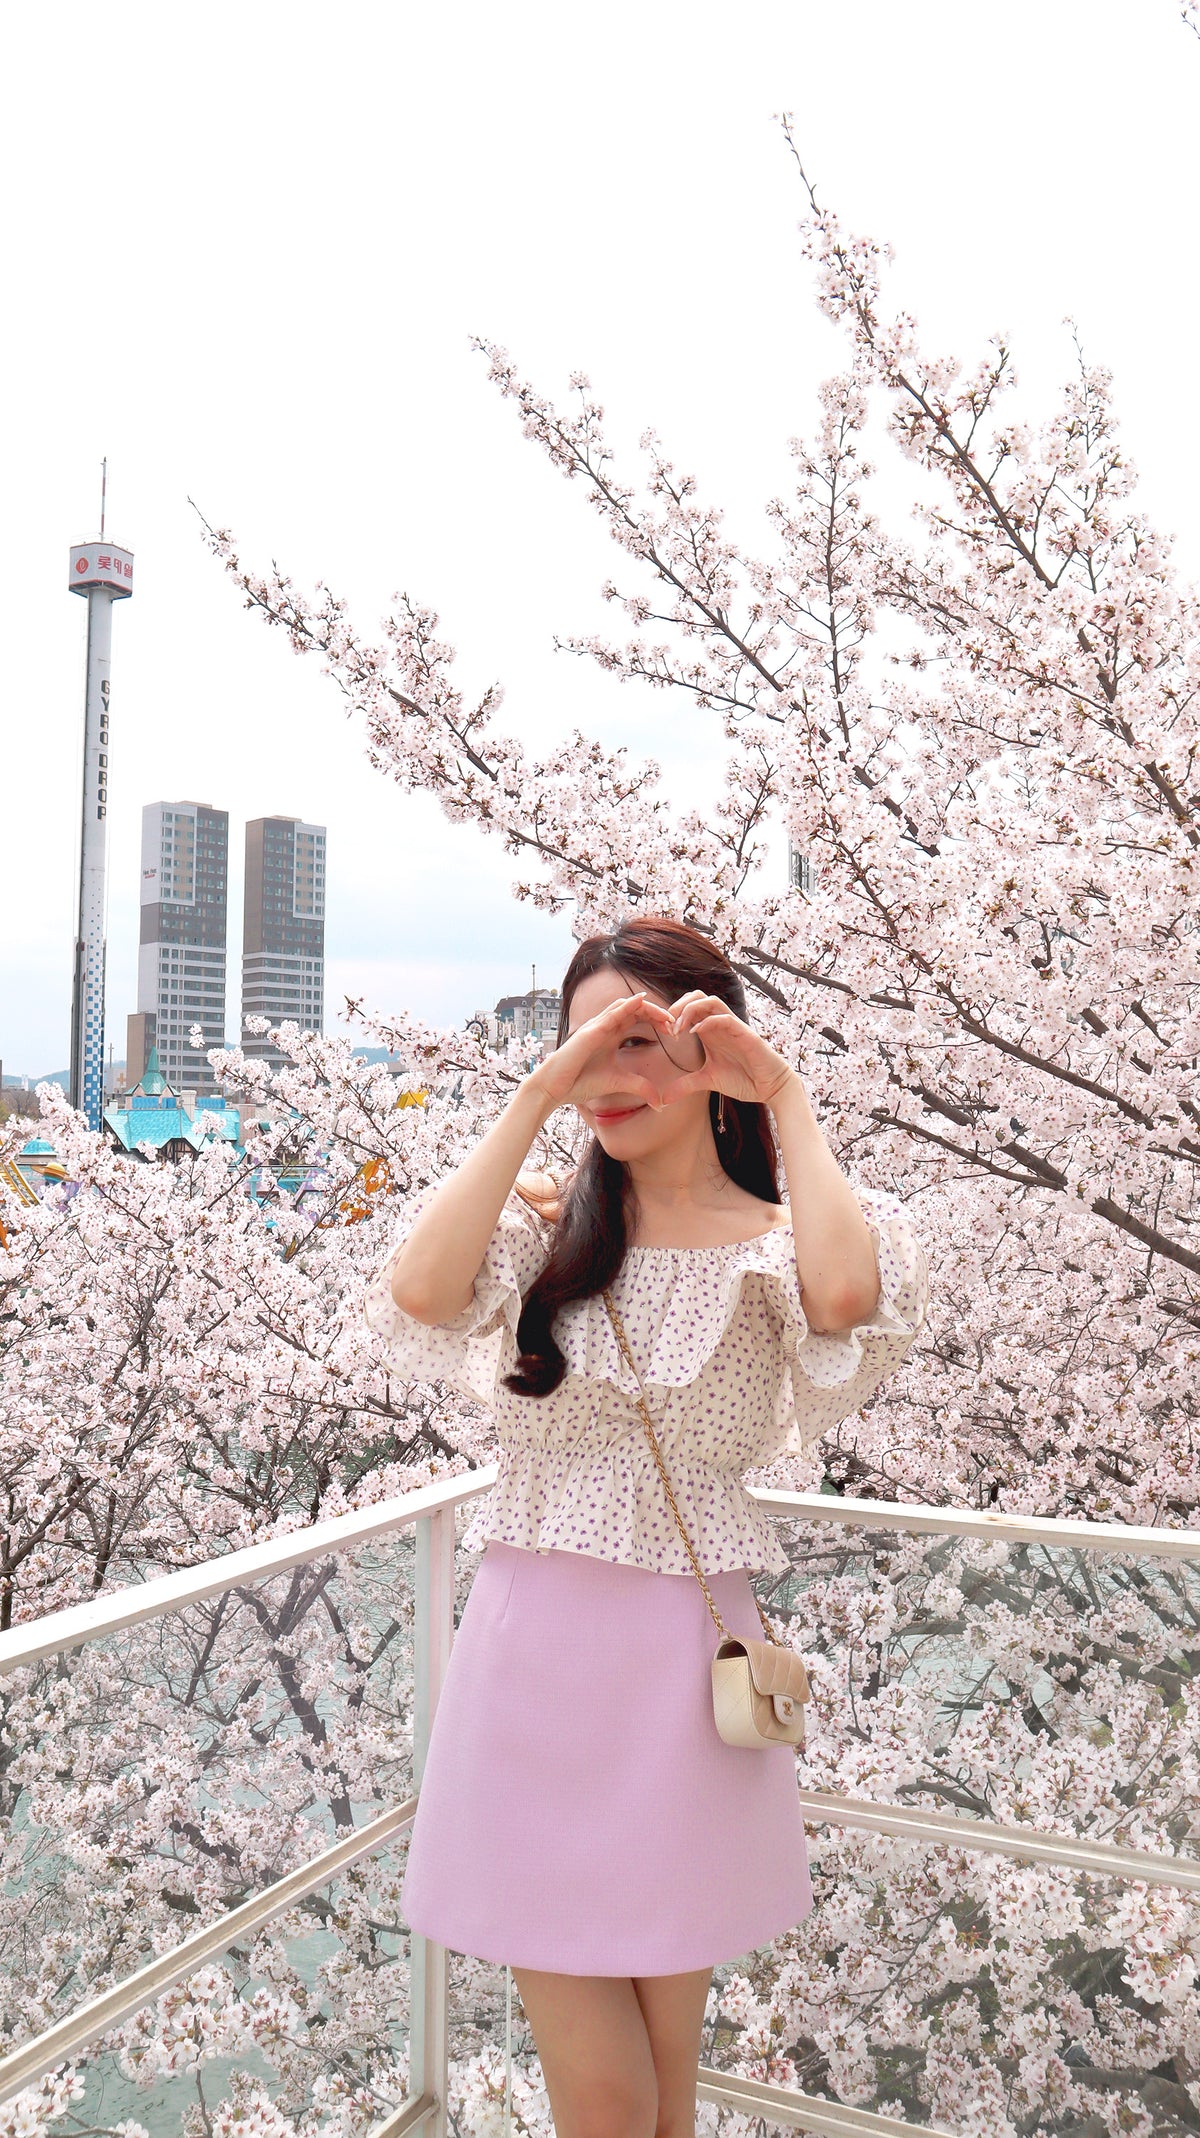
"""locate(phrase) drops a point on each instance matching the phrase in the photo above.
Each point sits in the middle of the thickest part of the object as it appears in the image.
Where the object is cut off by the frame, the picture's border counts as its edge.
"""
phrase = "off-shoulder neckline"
(718, 1247)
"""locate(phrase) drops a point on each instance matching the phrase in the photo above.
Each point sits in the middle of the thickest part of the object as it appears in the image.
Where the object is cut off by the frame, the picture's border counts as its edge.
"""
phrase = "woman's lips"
(617, 1114)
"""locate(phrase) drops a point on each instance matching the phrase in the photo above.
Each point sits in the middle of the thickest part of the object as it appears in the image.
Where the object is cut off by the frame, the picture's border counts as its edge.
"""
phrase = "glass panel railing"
(1019, 1683)
(154, 1779)
(158, 1778)
(302, 2029)
(972, 1994)
(492, 2054)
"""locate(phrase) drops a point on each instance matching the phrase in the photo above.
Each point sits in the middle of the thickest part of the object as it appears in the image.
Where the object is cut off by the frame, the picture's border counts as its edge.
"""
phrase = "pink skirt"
(578, 1810)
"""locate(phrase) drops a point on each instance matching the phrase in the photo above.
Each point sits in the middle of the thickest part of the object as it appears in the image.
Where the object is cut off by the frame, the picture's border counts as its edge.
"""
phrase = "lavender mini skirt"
(578, 1810)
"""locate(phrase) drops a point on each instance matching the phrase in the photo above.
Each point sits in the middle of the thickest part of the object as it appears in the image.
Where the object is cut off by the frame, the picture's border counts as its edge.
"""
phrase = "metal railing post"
(429, 2046)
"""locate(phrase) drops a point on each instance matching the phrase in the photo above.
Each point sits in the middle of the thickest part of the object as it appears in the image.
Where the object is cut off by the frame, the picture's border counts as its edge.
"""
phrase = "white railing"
(431, 1511)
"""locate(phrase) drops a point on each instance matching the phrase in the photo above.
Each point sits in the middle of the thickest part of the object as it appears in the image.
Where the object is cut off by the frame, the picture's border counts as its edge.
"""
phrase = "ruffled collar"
(694, 1295)
(719, 1247)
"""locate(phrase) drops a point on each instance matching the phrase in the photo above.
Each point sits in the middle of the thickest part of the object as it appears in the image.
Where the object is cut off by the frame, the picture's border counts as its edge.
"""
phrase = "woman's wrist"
(790, 1097)
(532, 1100)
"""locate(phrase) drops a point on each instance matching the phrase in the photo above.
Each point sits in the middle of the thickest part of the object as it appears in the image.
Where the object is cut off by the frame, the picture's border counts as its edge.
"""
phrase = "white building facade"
(283, 930)
(181, 952)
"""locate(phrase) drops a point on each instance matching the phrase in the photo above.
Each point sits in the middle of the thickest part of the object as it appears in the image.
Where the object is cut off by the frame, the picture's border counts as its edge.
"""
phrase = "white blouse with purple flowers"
(733, 1375)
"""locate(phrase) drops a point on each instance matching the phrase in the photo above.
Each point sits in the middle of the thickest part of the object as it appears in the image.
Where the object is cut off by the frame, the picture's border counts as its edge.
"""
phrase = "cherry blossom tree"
(980, 732)
(983, 738)
(187, 1370)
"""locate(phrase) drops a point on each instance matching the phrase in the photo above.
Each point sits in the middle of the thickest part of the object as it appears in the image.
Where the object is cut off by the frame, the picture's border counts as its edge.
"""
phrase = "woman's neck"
(690, 1177)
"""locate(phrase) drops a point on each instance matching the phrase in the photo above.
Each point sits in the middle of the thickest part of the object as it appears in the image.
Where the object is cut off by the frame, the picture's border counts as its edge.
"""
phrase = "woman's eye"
(635, 1040)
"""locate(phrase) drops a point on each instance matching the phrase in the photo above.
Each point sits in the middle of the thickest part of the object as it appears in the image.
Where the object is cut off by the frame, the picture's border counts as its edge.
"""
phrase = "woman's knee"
(602, 2104)
(610, 2110)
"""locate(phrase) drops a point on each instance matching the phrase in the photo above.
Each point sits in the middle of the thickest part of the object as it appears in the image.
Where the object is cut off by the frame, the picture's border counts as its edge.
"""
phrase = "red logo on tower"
(98, 564)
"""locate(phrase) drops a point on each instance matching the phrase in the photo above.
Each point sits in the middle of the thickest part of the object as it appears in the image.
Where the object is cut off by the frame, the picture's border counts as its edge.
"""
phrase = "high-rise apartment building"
(181, 956)
(283, 935)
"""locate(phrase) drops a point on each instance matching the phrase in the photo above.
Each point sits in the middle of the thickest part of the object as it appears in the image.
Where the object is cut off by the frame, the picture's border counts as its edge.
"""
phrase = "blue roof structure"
(159, 1124)
(152, 1114)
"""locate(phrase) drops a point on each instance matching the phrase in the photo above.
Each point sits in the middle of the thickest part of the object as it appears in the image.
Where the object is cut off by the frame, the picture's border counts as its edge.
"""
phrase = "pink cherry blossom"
(979, 729)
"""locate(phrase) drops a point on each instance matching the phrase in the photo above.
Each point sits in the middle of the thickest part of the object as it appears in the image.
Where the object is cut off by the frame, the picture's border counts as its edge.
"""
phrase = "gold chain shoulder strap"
(647, 1421)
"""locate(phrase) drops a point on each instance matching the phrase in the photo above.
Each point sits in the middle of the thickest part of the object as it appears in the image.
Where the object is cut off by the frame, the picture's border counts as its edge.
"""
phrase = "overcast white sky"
(244, 248)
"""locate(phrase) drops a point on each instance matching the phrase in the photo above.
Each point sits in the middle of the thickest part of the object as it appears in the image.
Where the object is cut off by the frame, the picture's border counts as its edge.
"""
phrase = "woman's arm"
(434, 1274)
(835, 1254)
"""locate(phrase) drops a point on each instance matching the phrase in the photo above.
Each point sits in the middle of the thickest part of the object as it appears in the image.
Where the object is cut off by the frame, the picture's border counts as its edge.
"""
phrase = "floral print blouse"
(733, 1376)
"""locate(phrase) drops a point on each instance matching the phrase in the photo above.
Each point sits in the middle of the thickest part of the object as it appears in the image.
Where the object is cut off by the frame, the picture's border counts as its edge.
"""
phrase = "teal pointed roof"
(152, 1081)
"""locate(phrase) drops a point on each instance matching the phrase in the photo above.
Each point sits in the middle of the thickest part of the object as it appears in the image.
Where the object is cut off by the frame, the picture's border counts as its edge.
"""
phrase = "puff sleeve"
(831, 1375)
(471, 1352)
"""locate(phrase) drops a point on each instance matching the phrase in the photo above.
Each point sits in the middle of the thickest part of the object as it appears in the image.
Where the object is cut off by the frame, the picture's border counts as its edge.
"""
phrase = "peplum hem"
(599, 1502)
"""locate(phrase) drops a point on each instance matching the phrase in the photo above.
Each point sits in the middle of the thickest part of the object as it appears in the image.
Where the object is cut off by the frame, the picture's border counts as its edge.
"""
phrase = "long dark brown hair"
(590, 1236)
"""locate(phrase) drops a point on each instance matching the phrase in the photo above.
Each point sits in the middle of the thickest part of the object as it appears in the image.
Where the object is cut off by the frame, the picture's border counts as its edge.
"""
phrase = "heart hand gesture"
(737, 1061)
(591, 1061)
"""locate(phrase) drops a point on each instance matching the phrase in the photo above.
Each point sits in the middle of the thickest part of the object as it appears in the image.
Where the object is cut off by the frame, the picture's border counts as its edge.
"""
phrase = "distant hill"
(15, 1078)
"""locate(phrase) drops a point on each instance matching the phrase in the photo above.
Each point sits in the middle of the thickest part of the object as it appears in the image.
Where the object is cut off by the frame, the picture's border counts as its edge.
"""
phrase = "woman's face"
(626, 1126)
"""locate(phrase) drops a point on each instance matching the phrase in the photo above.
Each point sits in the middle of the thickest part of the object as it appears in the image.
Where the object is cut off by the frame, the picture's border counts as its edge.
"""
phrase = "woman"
(580, 1818)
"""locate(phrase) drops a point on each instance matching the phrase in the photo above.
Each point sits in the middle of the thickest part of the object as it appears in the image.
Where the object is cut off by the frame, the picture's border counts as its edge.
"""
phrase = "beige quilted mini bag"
(759, 1687)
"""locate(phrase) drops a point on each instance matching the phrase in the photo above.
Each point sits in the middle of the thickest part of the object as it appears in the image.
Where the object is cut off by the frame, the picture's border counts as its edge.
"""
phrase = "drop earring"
(721, 1115)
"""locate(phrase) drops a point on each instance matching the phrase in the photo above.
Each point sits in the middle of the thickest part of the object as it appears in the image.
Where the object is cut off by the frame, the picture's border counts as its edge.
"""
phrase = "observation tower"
(104, 574)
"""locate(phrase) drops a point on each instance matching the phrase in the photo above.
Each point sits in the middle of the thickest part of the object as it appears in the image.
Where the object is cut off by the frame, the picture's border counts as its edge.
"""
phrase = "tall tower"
(181, 952)
(105, 575)
(283, 932)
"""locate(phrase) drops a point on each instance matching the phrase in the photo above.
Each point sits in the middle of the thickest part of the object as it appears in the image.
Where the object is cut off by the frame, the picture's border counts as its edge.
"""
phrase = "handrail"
(32, 1639)
(802, 2111)
(996, 1525)
(428, 1963)
(35, 1638)
(431, 1507)
(1032, 1844)
(88, 2021)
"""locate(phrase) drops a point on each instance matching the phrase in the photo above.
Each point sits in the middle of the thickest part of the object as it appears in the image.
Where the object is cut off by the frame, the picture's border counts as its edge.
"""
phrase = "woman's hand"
(591, 1062)
(737, 1060)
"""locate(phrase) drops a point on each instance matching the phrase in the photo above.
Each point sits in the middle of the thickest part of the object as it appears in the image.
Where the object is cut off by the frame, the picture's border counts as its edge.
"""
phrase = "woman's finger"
(713, 1032)
(699, 1007)
(681, 1087)
(693, 994)
(684, 1001)
(618, 1012)
(628, 1009)
(640, 1087)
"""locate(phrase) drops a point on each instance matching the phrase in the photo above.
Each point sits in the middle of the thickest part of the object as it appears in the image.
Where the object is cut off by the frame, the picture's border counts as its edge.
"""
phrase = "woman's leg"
(619, 2057)
(673, 2009)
